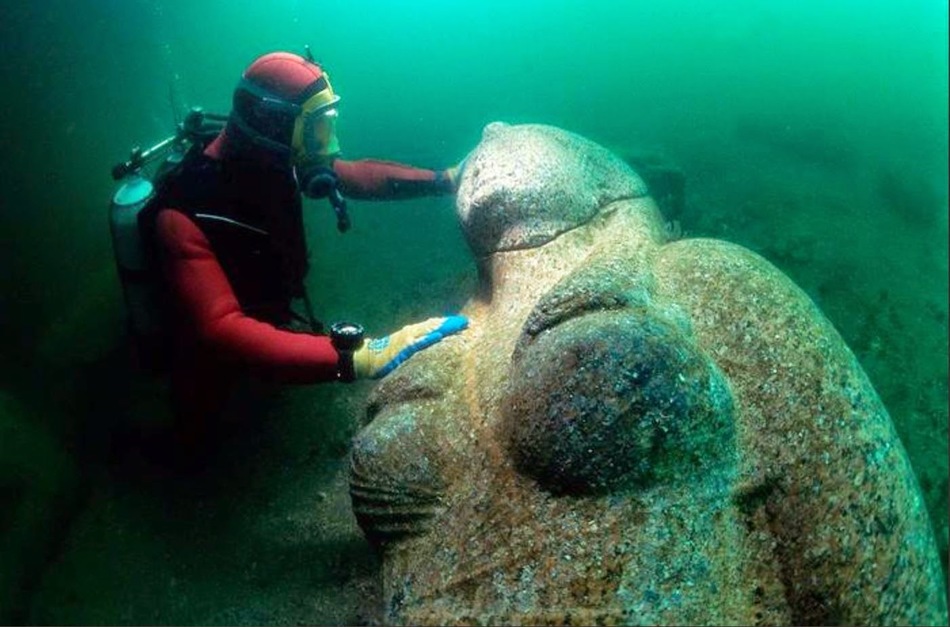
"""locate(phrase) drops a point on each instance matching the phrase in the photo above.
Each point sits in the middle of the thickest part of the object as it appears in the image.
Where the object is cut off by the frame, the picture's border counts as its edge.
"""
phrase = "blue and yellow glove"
(377, 358)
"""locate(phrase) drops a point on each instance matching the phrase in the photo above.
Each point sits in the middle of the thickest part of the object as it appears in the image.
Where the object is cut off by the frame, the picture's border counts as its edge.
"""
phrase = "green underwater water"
(814, 133)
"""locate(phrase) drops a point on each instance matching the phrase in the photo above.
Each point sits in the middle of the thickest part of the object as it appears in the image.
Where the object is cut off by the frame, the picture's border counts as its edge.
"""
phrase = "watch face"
(346, 335)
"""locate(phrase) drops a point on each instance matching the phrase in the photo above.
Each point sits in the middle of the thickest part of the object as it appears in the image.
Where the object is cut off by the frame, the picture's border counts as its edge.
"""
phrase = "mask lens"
(324, 131)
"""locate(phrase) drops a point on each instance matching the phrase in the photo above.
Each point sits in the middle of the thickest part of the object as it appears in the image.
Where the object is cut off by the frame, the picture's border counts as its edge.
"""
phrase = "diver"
(226, 230)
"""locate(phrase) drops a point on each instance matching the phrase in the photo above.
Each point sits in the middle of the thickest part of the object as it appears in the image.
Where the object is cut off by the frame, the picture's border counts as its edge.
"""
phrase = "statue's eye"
(616, 399)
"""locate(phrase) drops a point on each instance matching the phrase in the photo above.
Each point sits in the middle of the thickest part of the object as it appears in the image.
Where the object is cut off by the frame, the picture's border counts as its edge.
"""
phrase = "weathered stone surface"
(632, 430)
(525, 188)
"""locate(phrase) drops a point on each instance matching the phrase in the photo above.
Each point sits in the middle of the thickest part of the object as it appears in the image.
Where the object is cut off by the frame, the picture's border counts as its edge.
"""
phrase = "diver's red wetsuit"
(215, 340)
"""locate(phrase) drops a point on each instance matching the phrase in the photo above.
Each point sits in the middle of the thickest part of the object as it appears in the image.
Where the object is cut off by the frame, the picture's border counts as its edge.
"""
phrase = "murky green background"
(815, 133)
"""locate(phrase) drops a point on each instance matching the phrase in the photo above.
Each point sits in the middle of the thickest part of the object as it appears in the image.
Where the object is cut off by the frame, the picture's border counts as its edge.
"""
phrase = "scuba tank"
(129, 200)
(134, 263)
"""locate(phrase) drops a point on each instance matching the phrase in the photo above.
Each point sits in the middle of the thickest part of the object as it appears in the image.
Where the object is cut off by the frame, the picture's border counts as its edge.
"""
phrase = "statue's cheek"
(617, 400)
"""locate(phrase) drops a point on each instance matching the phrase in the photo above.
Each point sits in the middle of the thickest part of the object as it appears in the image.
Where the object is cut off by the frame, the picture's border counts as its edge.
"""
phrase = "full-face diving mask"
(315, 144)
(315, 140)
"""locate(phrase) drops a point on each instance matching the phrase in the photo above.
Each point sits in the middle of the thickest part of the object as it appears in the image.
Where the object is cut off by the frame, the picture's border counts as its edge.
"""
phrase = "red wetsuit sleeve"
(384, 180)
(203, 296)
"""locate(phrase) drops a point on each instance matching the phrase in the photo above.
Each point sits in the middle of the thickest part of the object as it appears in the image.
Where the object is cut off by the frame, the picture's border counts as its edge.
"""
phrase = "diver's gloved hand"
(454, 174)
(377, 358)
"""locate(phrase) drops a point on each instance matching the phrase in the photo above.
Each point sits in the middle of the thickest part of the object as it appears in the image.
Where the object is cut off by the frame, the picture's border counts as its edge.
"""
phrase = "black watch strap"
(346, 338)
(345, 371)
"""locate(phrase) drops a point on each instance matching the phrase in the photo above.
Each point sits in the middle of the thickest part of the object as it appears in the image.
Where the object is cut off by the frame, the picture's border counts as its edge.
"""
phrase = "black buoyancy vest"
(253, 218)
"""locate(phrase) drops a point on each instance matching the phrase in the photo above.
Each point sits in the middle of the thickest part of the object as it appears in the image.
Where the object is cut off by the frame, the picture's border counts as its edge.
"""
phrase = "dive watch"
(346, 338)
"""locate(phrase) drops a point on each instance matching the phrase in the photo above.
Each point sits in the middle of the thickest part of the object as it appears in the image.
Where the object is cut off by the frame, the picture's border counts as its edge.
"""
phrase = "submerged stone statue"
(632, 430)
